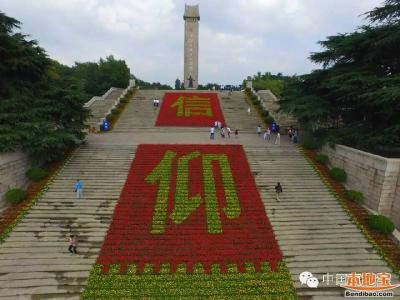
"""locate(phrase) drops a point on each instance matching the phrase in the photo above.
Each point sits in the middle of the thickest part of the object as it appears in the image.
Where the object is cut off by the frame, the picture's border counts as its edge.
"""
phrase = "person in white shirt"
(278, 139)
(212, 130)
(268, 134)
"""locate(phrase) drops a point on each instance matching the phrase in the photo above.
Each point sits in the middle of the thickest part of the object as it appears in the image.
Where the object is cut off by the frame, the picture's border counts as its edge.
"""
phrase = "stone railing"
(97, 119)
(377, 177)
(106, 94)
(116, 103)
(91, 101)
(99, 98)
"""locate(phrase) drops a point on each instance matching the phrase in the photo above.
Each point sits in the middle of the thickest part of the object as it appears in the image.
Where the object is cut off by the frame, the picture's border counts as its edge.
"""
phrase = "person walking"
(278, 190)
(79, 189)
(258, 129)
(295, 137)
(268, 132)
(278, 139)
(248, 110)
(290, 134)
(73, 243)
(223, 132)
(212, 130)
(236, 133)
(228, 131)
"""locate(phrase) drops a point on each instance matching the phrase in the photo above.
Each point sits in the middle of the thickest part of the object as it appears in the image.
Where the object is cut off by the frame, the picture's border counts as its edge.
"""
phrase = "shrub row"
(322, 159)
(257, 103)
(37, 174)
(338, 174)
(17, 195)
(311, 143)
(381, 224)
(355, 196)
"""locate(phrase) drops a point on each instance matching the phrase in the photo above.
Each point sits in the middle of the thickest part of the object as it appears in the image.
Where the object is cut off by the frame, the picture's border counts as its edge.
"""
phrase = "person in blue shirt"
(79, 188)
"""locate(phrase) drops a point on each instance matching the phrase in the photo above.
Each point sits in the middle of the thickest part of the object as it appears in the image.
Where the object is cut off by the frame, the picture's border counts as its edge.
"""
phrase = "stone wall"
(377, 177)
(396, 206)
(13, 166)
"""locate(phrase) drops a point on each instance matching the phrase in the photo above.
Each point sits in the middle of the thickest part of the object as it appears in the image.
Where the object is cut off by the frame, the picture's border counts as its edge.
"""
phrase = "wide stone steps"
(35, 260)
(234, 108)
(312, 229)
(100, 108)
(314, 233)
(140, 112)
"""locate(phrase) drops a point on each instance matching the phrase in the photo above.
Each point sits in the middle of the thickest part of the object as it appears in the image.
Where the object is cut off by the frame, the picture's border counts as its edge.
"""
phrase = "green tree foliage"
(41, 103)
(144, 85)
(99, 77)
(22, 62)
(268, 81)
(355, 98)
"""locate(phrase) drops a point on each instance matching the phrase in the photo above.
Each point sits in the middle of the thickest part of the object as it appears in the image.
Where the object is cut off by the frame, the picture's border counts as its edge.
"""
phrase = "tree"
(41, 104)
(154, 85)
(22, 62)
(268, 81)
(99, 77)
(355, 98)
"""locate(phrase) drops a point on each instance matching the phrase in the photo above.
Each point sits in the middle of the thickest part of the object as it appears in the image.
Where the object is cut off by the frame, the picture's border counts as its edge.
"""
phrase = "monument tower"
(191, 61)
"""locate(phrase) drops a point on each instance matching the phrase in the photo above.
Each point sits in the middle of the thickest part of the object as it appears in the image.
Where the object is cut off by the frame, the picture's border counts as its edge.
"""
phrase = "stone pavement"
(313, 231)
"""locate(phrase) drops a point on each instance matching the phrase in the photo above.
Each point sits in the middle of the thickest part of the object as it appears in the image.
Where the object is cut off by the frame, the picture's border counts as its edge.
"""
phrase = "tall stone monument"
(191, 62)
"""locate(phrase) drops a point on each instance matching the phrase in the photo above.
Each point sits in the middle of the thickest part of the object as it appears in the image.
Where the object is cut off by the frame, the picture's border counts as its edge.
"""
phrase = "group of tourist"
(224, 131)
(267, 134)
(293, 134)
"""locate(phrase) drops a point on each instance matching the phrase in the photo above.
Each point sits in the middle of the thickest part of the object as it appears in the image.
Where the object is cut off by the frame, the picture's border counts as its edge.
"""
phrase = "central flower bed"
(190, 109)
(189, 204)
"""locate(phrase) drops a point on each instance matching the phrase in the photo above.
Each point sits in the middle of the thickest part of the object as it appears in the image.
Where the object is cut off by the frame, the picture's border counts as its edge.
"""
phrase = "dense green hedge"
(264, 114)
(16, 196)
(338, 174)
(355, 196)
(381, 224)
(310, 143)
(37, 174)
(321, 159)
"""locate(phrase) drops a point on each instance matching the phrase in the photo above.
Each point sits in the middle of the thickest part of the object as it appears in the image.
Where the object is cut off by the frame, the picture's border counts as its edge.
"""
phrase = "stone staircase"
(35, 260)
(271, 103)
(141, 115)
(140, 112)
(99, 108)
(314, 232)
(234, 108)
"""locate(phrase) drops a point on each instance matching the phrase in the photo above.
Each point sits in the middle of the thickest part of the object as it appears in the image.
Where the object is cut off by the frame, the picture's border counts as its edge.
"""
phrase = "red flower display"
(189, 204)
(190, 109)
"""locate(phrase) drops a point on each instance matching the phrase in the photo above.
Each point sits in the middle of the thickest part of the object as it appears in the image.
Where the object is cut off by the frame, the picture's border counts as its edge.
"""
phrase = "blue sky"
(237, 37)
